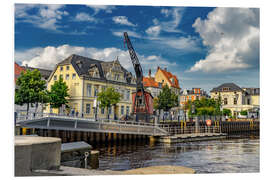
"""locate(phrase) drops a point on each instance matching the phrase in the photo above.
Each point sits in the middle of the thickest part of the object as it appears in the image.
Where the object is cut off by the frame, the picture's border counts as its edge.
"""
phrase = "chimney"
(158, 68)
(149, 73)
(165, 68)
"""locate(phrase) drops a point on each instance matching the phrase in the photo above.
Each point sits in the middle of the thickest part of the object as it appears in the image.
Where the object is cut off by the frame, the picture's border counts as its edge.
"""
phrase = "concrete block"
(36, 153)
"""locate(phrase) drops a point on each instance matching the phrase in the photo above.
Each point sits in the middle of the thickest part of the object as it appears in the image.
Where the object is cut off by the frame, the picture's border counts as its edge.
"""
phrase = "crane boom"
(140, 104)
(135, 62)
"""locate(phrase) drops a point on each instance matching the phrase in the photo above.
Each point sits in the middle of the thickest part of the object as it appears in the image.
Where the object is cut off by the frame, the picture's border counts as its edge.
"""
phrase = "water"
(220, 156)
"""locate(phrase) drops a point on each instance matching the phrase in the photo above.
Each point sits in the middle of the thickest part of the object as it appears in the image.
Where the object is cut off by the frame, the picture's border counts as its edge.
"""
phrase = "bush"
(244, 113)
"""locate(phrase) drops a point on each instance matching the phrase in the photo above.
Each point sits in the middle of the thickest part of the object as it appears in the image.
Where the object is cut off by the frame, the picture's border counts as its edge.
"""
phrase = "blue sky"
(203, 46)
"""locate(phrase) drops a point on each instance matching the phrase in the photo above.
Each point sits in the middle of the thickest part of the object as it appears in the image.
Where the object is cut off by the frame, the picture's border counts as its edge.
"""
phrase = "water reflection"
(230, 155)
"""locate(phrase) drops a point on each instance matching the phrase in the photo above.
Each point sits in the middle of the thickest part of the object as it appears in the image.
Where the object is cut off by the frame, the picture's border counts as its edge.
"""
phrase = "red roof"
(169, 75)
(150, 82)
(17, 71)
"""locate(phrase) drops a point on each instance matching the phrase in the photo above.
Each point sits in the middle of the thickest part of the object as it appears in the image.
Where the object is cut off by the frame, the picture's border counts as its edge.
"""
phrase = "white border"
(7, 46)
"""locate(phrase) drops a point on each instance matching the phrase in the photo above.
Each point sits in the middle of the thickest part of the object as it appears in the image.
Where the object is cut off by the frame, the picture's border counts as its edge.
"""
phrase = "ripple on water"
(224, 156)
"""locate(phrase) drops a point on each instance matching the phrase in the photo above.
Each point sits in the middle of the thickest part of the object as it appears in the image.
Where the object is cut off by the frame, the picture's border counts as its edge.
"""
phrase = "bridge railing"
(98, 120)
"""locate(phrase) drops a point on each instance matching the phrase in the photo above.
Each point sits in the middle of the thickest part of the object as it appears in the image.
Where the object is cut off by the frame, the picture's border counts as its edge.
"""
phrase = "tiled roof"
(17, 71)
(231, 86)
(150, 82)
(169, 75)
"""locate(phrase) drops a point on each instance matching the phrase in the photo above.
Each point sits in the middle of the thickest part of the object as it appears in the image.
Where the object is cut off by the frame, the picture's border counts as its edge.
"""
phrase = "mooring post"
(197, 125)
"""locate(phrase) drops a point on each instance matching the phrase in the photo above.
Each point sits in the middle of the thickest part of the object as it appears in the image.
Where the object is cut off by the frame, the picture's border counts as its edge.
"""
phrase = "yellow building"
(85, 77)
(238, 99)
(167, 78)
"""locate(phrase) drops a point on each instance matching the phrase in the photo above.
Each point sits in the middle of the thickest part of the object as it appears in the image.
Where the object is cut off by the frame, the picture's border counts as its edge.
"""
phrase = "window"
(67, 76)
(128, 95)
(116, 77)
(61, 68)
(122, 110)
(225, 101)
(55, 77)
(96, 91)
(73, 76)
(88, 108)
(88, 90)
(248, 101)
(197, 97)
(234, 101)
(127, 110)
(61, 76)
(110, 110)
(225, 89)
(102, 110)
(67, 68)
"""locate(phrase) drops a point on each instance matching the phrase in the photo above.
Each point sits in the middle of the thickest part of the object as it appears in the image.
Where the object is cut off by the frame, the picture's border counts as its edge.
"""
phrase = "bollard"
(94, 159)
(197, 125)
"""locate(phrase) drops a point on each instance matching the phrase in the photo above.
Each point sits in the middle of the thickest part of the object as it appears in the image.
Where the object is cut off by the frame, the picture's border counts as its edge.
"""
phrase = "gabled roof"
(82, 65)
(86, 63)
(169, 75)
(150, 82)
(231, 86)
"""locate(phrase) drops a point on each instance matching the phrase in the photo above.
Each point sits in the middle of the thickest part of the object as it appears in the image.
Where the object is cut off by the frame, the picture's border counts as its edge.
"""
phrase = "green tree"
(166, 99)
(58, 94)
(226, 112)
(108, 97)
(204, 106)
(31, 89)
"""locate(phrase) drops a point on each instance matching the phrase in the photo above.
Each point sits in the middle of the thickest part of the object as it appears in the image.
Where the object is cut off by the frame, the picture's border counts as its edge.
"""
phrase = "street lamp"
(95, 108)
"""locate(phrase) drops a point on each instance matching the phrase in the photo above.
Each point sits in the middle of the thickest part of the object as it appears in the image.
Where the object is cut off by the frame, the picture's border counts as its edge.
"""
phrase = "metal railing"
(80, 123)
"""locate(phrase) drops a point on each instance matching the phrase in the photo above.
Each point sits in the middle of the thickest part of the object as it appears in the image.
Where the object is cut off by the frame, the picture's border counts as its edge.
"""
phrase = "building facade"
(238, 99)
(191, 95)
(167, 78)
(85, 78)
(151, 85)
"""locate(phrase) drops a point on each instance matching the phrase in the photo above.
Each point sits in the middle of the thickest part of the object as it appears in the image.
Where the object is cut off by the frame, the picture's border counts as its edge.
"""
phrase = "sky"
(203, 46)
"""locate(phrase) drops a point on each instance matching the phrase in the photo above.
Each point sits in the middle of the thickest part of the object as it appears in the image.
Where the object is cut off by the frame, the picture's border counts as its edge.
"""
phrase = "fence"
(189, 128)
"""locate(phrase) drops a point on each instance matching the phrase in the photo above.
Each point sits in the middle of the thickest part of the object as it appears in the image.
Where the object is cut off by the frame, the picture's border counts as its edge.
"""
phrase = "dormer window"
(79, 63)
(225, 89)
(172, 80)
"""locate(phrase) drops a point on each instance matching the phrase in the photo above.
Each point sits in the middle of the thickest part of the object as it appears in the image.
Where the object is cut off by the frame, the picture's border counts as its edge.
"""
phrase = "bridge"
(68, 123)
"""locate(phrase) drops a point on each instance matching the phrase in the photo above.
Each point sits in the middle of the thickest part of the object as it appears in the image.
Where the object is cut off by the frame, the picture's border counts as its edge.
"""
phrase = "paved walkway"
(71, 171)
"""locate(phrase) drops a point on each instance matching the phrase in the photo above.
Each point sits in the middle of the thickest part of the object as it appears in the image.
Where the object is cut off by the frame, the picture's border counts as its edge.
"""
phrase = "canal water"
(234, 155)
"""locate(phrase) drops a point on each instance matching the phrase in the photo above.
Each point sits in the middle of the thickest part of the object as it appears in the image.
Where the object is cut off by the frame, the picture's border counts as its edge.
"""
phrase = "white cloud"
(183, 43)
(130, 33)
(47, 15)
(84, 17)
(97, 8)
(153, 30)
(122, 20)
(168, 26)
(166, 12)
(232, 35)
(49, 56)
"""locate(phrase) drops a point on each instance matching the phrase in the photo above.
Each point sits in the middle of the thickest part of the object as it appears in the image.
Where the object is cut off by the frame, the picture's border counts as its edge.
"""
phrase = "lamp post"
(95, 108)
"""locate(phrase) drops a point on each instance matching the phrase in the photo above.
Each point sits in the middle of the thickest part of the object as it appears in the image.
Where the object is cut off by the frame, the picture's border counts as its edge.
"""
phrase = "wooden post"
(94, 159)
(103, 139)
